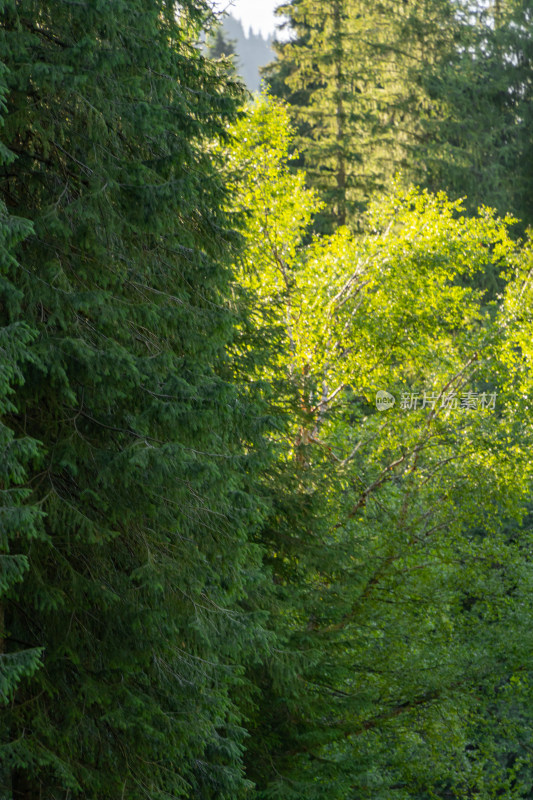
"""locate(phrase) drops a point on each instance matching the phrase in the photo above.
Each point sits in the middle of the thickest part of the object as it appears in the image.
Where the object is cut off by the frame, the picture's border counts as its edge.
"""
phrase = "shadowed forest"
(266, 378)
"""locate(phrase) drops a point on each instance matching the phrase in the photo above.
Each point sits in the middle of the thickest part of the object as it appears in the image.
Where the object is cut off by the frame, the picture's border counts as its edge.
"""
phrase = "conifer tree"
(135, 585)
(472, 122)
(341, 73)
(438, 90)
(17, 519)
(315, 73)
(220, 47)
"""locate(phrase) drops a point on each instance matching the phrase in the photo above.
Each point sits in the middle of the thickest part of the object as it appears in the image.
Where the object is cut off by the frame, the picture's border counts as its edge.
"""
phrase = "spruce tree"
(18, 519)
(136, 582)
(340, 72)
(220, 47)
(438, 90)
(472, 122)
(314, 72)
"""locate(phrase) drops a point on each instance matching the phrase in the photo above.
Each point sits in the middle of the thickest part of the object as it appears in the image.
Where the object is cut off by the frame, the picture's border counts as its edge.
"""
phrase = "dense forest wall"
(266, 370)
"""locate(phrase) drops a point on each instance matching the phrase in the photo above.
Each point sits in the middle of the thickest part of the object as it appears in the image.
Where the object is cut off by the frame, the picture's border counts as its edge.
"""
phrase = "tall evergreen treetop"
(134, 589)
(339, 71)
(437, 89)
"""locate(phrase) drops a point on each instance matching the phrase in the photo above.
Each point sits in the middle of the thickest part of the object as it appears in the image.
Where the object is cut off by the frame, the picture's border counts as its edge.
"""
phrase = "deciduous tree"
(403, 601)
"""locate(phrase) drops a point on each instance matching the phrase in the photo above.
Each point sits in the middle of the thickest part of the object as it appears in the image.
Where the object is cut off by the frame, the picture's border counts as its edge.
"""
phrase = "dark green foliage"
(437, 89)
(223, 572)
(473, 137)
(17, 520)
(314, 74)
(136, 579)
(220, 47)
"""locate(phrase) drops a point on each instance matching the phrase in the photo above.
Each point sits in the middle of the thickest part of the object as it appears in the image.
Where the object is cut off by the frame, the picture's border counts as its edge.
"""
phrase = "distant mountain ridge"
(253, 51)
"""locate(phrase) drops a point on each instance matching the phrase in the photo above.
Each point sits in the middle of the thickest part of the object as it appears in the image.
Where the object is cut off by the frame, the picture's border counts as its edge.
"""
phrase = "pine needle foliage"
(147, 448)
(18, 520)
(439, 90)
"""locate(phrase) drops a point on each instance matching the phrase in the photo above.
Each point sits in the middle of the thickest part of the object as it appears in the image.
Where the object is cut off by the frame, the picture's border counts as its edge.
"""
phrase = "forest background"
(265, 387)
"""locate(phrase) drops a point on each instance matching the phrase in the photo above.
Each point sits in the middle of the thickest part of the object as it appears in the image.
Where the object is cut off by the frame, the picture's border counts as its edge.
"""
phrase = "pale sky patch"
(257, 14)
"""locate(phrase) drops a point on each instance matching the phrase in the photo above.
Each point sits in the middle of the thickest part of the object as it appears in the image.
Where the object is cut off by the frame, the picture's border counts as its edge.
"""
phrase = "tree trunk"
(340, 114)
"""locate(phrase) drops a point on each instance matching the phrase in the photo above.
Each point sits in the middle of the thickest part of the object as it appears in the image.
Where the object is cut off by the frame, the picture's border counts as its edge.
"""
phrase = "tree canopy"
(265, 430)
(438, 90)
(138, 503)
(395, 569)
